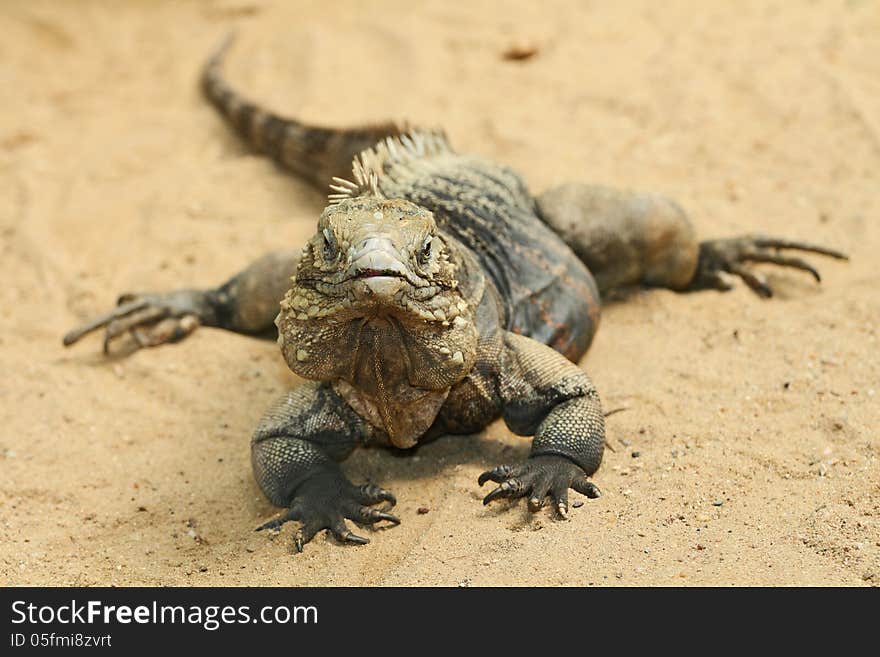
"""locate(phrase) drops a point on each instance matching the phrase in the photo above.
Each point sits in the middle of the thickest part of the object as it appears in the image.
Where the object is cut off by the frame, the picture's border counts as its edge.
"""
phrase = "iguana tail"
(314, 153)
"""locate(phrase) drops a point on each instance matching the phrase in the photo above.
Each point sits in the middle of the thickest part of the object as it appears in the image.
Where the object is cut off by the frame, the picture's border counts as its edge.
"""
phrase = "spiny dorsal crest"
(404, 151)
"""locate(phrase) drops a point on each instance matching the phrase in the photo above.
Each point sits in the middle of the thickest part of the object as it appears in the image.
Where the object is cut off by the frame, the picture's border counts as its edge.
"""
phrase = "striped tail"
(314, 153)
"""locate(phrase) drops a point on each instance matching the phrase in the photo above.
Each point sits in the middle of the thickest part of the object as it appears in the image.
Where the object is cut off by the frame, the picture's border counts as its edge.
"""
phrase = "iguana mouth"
(370, 273)
(378, 258)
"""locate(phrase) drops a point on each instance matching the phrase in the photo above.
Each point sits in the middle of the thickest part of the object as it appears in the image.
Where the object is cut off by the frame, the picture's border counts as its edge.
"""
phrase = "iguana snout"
(378, 269)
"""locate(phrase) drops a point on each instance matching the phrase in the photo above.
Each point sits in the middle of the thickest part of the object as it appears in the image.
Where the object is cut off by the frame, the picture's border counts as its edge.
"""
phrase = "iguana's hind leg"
(246, 303)
(628, 238)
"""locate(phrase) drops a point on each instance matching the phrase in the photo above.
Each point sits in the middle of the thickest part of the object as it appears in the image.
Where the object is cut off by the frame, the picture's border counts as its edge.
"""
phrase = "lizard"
(436, 296)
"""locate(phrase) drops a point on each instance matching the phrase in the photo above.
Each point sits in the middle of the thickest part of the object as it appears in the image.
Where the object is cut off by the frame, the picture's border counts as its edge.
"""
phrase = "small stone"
(636, 454)
(422, 510)
(203, 569)
(717, 502)
(520, 52)
(577, 504)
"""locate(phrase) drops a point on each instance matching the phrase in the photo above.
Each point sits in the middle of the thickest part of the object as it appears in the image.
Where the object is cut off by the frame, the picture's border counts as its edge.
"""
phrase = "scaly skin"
(436, 295)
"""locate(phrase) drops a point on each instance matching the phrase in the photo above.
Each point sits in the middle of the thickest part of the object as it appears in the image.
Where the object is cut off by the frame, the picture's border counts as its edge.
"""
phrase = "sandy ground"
(749, 450)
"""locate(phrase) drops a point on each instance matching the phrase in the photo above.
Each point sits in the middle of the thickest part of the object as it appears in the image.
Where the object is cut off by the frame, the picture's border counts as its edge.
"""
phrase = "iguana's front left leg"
(546, 396)
(295, 453)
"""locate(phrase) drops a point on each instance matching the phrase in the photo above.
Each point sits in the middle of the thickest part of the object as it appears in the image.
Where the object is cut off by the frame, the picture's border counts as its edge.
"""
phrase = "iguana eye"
(425, 253)
(329, 250)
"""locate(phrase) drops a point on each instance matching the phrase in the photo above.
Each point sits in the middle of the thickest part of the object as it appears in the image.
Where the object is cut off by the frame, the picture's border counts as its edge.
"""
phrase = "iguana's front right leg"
(295, 454)
(246, 303)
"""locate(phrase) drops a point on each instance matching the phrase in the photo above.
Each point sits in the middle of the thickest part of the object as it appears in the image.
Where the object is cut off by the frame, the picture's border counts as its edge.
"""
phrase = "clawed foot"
(324, 502)
(538, 478)
(150, 319)
(730, 256)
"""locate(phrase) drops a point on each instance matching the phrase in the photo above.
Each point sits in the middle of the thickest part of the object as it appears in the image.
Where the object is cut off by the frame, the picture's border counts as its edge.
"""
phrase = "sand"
(748, 450)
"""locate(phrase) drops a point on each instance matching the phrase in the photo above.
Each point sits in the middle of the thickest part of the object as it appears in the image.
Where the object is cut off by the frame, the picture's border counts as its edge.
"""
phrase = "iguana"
(436, 295)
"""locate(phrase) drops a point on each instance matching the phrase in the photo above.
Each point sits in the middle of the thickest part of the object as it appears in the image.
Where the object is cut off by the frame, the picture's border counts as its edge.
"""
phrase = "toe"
(343, 534)
(370, 516)
(560, 498)
(586, 487)
(372, 494)
(512, 487)
(540, 490)
(496, 474)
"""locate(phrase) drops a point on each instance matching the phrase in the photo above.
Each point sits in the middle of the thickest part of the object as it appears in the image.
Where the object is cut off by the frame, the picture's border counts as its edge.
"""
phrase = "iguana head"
(377, 271)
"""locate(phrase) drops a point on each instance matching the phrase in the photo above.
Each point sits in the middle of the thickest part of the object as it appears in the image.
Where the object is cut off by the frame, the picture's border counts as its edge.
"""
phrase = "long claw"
(508, 488)
(375, 515)
(275, 523)
(305, 534)
(494, 495)
(343, 534)
(784, 261)
(752, 279)
(349, 537)
(102, 320)
(777, 243)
